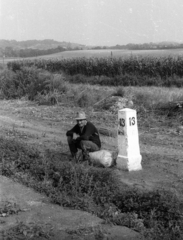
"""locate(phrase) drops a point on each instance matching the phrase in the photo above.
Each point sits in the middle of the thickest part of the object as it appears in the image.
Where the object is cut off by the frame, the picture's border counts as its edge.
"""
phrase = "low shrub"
(150, 206)
(28, 231)
(30, 82)
(7, 84)
(24, 82)
(9, 208)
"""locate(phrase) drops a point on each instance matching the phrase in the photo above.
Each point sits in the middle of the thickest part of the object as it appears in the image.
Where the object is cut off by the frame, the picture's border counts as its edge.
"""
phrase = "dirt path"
(45, 127)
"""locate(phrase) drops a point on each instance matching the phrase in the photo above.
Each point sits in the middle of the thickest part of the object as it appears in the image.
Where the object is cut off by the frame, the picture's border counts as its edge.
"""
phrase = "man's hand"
(69, 139)
(78, 139)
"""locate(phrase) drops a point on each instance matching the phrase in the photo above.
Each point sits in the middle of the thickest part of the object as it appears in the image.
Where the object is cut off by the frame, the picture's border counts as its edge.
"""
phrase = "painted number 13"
(132, 121)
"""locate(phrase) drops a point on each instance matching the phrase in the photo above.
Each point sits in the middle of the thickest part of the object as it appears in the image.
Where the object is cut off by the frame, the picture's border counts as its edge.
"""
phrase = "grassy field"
(105, 53)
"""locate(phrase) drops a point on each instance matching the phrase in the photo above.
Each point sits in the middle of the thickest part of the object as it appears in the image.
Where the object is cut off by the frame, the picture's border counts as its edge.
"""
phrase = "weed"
(9, 208)
(28, 231)
(92, 189)
(98, 233)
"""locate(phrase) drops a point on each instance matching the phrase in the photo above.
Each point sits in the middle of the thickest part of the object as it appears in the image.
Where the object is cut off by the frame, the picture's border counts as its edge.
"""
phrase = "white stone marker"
(129, 157)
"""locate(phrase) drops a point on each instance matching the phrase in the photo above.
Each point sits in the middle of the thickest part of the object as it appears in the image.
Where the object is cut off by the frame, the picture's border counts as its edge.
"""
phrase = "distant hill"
(31, 48)
(38, 44)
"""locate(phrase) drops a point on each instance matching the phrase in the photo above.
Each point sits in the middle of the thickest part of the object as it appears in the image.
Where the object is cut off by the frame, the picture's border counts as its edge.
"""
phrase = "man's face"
(81, 123)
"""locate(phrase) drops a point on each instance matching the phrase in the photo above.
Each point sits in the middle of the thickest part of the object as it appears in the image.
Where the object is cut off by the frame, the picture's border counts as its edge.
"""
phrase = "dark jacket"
(89, 133)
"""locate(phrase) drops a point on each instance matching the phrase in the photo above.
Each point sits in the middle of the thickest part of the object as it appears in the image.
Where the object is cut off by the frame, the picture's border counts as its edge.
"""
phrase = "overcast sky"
(92, 22)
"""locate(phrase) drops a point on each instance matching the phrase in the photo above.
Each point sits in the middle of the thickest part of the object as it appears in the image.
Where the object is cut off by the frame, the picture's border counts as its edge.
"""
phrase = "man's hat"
(80, 116)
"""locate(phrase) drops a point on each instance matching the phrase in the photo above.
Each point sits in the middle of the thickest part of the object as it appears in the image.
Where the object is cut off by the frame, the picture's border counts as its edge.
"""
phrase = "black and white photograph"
(91, 119)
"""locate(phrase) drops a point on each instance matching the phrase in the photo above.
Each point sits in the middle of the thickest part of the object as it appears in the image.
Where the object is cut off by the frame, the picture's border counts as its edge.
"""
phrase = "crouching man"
(88, 140)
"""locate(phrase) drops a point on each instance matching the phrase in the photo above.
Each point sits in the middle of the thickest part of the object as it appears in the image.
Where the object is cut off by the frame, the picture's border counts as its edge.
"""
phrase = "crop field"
(106, 53)
(136, 70)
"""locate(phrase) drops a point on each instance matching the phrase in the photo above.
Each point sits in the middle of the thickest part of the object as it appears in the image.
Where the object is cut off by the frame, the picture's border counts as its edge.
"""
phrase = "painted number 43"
(132, 121)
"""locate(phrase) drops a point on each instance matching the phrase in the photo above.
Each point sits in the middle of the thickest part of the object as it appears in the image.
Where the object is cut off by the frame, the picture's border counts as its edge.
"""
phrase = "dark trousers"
(84, 145)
